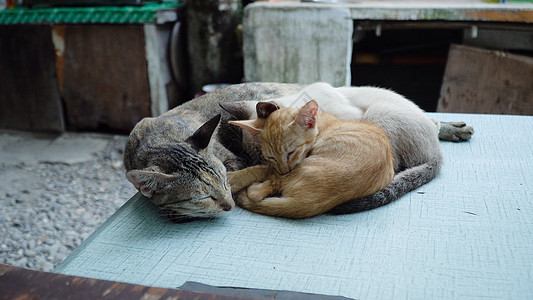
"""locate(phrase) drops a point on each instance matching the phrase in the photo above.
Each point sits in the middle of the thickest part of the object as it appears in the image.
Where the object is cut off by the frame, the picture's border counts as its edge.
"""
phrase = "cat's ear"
(307, 115)
(264, 109)
(254, 127)
(241, 110)
(147, 182)
(201, 137)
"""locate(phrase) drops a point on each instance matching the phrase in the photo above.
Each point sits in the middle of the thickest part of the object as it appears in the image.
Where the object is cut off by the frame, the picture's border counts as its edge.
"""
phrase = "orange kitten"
(319, 162)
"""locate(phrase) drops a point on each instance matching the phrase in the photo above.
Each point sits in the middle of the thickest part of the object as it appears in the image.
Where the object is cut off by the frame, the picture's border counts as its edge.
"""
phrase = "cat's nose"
(284, 170)
(227, 205)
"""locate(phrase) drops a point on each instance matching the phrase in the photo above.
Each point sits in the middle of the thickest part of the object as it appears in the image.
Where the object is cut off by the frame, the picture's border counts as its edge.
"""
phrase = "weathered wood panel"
(105, 82)
(29, 95)
(486, 81)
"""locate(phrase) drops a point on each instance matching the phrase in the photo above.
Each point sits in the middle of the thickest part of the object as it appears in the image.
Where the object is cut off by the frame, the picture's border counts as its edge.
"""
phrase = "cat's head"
(286, 134)
(186, 178)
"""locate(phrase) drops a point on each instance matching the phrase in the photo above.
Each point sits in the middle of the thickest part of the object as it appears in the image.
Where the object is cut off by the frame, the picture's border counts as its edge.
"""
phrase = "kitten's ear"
(201, 137)
(264, 109)
(307, 115)
(254, 127)
(147, 182)
(241, 110)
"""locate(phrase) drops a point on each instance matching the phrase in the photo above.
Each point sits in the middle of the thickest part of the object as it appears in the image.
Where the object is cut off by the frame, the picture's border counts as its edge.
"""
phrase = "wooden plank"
(20, 283)
(468, 234)
(29, 96)
(105, 83)
(485, 81)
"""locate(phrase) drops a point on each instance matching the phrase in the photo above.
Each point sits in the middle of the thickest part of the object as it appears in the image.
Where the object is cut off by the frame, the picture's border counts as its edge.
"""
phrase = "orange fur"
(320, 160)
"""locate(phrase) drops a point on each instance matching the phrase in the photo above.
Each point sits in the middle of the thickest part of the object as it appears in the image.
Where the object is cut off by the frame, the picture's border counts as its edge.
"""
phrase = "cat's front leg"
(245, 177)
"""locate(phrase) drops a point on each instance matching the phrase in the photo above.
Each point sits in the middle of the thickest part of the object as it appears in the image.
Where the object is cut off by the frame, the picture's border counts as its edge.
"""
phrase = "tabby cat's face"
(284, 142)
(186, 178)
(198, 189)
(186, 182)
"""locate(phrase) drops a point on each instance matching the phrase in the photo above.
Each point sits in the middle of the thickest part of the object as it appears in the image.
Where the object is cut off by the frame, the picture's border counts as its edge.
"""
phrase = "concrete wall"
(297, 45)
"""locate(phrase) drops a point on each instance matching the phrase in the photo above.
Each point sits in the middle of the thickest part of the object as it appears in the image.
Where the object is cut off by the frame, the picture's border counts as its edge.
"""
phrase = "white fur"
(413, 135)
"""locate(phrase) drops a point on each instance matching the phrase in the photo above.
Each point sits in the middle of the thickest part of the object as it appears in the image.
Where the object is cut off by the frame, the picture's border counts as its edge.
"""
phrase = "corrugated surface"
(80, 15)
(466, 234)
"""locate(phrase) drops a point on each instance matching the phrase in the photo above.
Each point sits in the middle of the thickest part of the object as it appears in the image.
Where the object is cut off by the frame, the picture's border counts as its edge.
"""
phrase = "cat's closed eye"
(290, 154)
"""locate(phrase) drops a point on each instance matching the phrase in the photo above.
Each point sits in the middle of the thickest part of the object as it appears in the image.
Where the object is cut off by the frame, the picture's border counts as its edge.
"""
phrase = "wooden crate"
(487, 81)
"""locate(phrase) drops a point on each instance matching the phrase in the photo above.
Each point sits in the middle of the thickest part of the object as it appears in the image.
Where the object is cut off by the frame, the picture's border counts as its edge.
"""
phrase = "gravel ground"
(48, 209)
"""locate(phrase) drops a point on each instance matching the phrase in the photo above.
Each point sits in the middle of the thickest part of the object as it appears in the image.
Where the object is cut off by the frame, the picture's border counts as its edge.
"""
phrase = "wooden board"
(105, 82)
(467, 234)
(20, 283)
(485, 81)
(29, 95)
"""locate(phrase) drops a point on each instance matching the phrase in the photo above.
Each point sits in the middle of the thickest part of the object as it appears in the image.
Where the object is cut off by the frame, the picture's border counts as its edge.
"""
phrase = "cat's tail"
(402, 183)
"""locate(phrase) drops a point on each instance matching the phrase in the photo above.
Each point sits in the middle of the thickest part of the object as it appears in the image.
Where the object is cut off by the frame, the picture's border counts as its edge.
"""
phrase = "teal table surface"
(467, 234)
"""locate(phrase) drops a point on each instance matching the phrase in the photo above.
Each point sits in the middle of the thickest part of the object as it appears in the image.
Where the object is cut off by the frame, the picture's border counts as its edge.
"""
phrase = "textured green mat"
(81, 15)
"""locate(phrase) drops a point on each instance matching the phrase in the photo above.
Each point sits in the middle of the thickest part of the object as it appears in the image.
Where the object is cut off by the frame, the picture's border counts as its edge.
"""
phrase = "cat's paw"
(258, 191)
(237, 181)
(248, 198)
(455, 131)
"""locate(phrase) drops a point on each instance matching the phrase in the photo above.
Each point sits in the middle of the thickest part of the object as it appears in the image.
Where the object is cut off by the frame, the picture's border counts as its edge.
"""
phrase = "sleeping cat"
(154, 143)
(177, 161)
(319, 161)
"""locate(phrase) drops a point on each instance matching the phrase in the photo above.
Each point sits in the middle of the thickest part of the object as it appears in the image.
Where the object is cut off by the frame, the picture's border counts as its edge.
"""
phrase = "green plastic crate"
(87, 15)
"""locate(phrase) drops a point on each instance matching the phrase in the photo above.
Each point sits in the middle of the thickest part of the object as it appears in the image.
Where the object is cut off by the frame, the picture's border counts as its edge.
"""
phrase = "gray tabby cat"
(179, 160)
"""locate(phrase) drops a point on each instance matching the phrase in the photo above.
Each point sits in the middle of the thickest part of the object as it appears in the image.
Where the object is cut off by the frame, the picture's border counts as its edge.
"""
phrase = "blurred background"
(102, 65)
